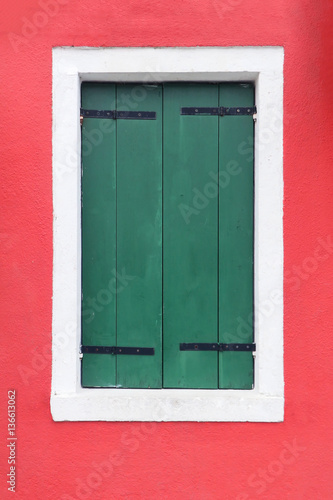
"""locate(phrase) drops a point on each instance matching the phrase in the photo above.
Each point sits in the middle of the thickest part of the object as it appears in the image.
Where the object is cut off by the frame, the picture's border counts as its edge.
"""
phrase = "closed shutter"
(167, 236)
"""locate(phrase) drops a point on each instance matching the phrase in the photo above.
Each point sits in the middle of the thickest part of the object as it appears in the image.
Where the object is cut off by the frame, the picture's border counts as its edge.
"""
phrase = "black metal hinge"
(220, 111)
(216, 347)
(94, 349)
(116, 115)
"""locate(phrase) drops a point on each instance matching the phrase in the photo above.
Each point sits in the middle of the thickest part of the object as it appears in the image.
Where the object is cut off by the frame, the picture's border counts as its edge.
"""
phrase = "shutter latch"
(116, 115)
(220, 111)
(217, 347)
(97, 349)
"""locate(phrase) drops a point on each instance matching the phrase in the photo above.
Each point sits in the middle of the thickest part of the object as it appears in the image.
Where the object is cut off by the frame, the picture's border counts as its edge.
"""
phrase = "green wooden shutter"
(169, 219)
(236, 237)
(122, 237)
(98, 235)
(139, 237)
(190, 237)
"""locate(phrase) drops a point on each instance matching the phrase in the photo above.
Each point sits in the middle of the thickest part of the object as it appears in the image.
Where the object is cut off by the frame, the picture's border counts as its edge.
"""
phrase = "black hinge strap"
(113, 114)
(94, 349)
(216, 347)
(220, 111)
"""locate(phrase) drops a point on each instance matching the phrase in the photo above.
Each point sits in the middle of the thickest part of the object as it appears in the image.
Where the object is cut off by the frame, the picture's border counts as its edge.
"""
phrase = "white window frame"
(264, 67)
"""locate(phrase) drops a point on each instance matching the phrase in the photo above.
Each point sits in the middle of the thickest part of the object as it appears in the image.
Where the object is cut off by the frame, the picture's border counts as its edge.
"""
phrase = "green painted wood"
(98, 235)
(236, 236)
(207, 236)
(139, 236)
(190, 246)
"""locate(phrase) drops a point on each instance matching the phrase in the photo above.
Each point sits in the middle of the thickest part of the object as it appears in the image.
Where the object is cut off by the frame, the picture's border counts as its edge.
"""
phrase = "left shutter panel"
(98, 235)
(139, 236)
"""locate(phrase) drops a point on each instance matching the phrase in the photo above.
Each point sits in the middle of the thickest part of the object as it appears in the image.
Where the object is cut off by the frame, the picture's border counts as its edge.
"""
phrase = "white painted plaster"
(262, 65)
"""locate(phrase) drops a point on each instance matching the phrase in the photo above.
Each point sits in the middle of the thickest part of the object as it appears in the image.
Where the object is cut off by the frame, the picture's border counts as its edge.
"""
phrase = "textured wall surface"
(135, 461)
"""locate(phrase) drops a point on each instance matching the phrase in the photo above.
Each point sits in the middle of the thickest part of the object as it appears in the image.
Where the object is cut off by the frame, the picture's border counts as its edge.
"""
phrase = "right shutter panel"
(236, 237)
(190, 275)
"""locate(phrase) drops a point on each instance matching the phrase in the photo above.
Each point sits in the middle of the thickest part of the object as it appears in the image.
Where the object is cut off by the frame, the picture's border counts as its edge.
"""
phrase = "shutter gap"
(116, 230)
(218, 240)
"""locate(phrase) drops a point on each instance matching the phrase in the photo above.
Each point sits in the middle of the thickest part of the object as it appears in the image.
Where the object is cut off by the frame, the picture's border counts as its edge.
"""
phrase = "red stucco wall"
(200, 461)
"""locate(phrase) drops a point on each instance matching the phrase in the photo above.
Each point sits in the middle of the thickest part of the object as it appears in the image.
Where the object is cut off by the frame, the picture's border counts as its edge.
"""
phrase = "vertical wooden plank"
(190, 249)
(98, 235)
(139, 236)
(236, 236)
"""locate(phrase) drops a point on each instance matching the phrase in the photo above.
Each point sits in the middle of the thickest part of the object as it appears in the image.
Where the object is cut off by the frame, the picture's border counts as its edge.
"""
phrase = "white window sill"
(167, 405)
